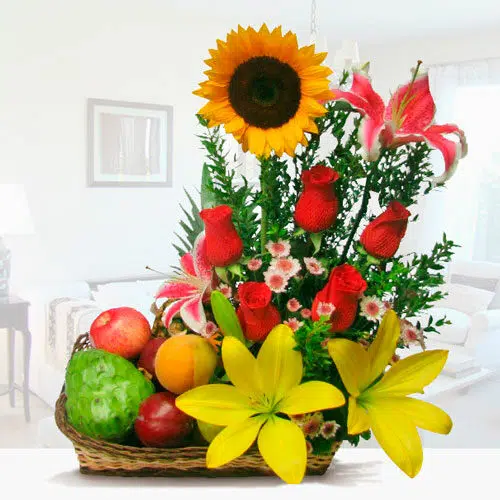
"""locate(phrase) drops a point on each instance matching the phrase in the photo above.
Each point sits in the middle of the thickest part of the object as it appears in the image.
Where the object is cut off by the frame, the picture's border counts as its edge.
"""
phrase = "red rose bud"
(256, 313)
(317, 206)
(224, 245)
(382, 236)
(344, 288)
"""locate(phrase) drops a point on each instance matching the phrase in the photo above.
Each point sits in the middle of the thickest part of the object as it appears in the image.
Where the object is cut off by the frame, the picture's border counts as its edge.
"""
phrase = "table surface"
(355, 474)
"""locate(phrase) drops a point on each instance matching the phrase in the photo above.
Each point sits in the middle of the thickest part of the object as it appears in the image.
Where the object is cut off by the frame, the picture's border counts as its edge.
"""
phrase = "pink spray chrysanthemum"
(325, 309)
(329, 429)
(209, 330)
(293, 305)
(278, 248)
(276, 280)
(306, 313)
(254, 264)
(312, 426)
(293, 323)
(314, 266)
(372, 308)
(410, 334)
(287, 265)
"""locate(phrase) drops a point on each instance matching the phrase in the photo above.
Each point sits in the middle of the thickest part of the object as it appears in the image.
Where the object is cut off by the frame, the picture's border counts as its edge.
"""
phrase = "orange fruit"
(185, 361)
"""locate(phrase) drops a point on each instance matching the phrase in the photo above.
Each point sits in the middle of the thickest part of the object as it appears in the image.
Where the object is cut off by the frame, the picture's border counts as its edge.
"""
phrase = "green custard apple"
(104, 392)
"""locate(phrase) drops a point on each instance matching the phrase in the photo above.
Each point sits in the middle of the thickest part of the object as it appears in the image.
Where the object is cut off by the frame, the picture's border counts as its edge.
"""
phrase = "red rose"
(382, 236)
(256, 313)
(317, 206)
(224, 245)
(344, 288)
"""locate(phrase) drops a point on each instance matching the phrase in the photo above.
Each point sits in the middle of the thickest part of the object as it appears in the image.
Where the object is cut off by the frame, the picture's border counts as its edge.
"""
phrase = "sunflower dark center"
(265, 92)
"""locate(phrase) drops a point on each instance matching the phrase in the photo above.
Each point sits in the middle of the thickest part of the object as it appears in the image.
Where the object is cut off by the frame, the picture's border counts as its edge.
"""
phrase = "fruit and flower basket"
(276, 335)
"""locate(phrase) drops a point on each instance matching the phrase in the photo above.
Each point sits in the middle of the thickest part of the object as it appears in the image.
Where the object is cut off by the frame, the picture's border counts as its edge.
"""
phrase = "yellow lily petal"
(352, 362)
(397, 435)
(233, 441)
(384, 345)
(410, 375)
(283, 447)
(278, 365)
(424, 415)
(240, 366)
(358, 420)
(309, 397)
(217, 404)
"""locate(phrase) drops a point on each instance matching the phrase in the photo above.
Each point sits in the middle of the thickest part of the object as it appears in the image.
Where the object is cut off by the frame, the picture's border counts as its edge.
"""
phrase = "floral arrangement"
(290, 300)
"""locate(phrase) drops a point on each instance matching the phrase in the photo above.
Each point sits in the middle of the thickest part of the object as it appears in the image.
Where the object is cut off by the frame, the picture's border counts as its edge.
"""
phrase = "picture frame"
(129, 144)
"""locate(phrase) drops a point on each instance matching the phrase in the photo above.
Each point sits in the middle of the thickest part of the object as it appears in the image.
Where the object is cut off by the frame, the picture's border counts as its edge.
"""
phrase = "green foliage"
(192, 226)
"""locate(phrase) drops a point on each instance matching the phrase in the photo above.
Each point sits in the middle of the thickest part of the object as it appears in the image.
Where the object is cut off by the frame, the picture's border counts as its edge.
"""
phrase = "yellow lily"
(263, 388)
(383, 405)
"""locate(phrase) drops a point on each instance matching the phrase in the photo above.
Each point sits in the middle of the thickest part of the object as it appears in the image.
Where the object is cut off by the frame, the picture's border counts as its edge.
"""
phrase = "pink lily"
(408, 117)
(190, 288)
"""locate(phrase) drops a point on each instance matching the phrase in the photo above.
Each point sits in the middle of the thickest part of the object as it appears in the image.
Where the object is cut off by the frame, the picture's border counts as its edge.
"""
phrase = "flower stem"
(264, 165)
(362, 211)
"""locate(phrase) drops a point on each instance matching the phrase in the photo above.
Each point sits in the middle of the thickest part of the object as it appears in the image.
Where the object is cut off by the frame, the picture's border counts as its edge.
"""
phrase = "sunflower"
(265, 90)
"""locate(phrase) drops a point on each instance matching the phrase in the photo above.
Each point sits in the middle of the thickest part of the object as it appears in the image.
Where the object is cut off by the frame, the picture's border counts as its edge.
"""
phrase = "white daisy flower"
(372, 308)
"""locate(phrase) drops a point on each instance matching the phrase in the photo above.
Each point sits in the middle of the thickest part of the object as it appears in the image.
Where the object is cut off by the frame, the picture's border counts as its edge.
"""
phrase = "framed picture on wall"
(129, 144)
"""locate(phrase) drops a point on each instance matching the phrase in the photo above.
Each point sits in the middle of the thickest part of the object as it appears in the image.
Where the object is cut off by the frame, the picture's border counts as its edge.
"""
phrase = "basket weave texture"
(103, 458)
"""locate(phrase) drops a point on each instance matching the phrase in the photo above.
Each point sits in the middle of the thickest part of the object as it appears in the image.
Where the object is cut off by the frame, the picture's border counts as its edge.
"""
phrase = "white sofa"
(473, 307)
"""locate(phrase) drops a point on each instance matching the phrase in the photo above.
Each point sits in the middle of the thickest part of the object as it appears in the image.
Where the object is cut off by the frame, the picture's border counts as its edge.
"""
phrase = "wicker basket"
(103, 458)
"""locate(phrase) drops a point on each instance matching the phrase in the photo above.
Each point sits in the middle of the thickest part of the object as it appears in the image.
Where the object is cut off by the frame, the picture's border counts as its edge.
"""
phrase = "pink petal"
(369, 133)
(187, 264)
(172, 310)
(203, 268)
(418, 106)
(362, 86)
(176, 290)
(193, 314)
(452, 151)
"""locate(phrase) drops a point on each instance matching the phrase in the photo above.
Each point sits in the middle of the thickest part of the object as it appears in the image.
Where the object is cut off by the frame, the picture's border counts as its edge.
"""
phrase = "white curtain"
(467, 94)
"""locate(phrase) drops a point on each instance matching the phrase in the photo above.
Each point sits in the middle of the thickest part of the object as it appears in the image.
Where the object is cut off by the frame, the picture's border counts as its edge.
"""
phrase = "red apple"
(148, 355)
(160, 424)
(122, 330)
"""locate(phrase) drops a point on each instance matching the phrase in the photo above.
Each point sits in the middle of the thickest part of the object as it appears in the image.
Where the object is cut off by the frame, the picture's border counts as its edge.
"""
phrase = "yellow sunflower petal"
(217, 404)
(278, 364)
(240, 366)
(384, 345)
(410, 375)
(233, 441)
(358, 420)
(312, 106)
(313, 87)
(352, 362)
(276, 140)
(283, 447)
(256, 140)
(424, 415)
(315, 72)
(235, 125)
(397, 435)
(310, 397)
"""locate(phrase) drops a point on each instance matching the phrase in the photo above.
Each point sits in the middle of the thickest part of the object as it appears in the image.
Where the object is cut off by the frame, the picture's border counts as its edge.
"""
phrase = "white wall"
(53, 56)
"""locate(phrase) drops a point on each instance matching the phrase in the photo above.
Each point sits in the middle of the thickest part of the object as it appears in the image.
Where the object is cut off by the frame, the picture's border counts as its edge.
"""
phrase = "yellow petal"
(358, 420)
(397, 436)
(410, 375)
(283, 447)
(424, 415)
(314, 87)
(278, 364)
(256, 140)
(233, 441)
(352, 362)
(217, 404)
(309, 397)
(240, 366)
(384, 345)
(276, 140)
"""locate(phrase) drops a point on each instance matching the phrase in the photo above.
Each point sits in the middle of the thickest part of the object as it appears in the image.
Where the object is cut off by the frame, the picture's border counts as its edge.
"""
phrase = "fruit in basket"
(208, 431)
(148, 355)
(160, 424)
(104, 392)
(122, 330)
(184, 362)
